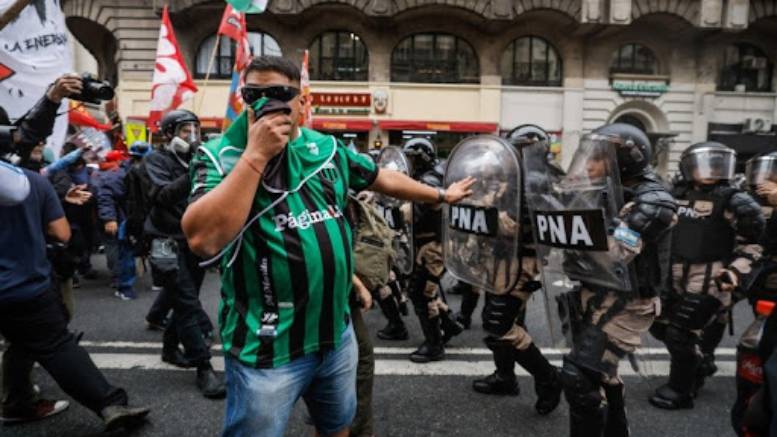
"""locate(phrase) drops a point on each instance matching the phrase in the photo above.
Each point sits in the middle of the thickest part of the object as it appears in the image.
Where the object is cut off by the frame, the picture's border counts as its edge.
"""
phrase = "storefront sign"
(353, 100)
(319, 110)
(640, 87)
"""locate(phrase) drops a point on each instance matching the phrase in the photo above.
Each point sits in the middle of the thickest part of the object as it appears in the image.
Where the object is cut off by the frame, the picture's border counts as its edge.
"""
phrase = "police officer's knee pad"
(681, 341)
(499, 313)
(581, 387)
(694, 311)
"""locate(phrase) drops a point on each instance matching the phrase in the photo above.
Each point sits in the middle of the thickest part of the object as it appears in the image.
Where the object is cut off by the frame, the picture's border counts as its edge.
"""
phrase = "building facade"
(385, 70)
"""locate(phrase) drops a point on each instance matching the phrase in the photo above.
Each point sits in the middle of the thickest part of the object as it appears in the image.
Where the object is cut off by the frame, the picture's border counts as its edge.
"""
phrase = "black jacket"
(36, 125)
(167, 186)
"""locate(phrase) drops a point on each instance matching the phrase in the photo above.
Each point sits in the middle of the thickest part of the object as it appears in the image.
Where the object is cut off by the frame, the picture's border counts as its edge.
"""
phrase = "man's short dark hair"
(275, 64)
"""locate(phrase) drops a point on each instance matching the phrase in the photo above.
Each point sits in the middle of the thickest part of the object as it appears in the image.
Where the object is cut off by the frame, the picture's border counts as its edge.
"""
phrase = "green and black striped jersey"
(285, 292)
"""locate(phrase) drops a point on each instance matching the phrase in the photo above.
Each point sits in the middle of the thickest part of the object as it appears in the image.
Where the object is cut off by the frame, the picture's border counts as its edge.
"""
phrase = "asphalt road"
(409, 399)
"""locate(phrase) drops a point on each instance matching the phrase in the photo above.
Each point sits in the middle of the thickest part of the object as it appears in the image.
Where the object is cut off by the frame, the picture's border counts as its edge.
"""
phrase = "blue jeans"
(121, 262)
(259, 401)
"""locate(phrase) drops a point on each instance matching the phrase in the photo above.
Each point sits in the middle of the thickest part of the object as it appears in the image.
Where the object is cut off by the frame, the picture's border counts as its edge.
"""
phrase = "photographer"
(35, 126)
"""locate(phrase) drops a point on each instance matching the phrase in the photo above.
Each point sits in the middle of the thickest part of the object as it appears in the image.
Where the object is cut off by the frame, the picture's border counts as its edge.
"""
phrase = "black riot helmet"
(527, 134)
(182, 129)
(171, 122)
(761, 169)
(633, 150)
(708, 161)
(421, 153)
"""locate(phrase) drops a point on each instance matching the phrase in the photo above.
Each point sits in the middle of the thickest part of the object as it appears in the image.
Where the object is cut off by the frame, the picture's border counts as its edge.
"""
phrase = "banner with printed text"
(34, 52)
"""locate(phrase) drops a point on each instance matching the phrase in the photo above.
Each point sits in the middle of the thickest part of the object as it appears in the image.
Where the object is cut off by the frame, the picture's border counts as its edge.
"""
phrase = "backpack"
(373, 245)
(137, 207)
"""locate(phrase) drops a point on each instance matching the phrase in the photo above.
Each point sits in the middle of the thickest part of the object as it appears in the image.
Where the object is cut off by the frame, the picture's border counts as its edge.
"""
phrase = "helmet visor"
(189, 132)
(594, 161)
(708, 165)
(760, 170)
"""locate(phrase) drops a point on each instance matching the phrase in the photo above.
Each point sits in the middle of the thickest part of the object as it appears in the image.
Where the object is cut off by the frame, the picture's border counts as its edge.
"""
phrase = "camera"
(93, 90)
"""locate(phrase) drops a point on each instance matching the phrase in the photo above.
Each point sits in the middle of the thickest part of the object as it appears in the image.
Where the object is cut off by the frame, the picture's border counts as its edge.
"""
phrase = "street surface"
(409, 399)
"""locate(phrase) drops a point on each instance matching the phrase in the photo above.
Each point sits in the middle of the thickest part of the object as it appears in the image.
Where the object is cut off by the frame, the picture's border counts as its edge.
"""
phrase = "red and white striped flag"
(172, 83)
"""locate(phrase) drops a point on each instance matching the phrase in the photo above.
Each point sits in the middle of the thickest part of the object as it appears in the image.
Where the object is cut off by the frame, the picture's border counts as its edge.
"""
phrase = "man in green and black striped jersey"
(269, 197)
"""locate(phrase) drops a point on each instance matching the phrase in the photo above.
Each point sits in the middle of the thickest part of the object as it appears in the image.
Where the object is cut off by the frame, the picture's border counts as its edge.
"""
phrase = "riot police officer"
(760, 284)
(604, 225)
(433, 313)
(398, 216)
(705, 271)
(500, 259)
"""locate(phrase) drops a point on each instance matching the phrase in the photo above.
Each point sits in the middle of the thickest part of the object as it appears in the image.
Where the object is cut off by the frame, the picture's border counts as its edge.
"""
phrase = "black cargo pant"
(37, 332)
(362, 425)
(183, 289)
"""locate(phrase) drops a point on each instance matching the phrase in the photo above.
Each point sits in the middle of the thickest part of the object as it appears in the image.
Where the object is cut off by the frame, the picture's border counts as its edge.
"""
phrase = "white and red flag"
(172, 83)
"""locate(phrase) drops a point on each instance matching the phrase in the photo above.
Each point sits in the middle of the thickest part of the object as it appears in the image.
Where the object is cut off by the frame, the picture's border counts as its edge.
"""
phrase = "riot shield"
(574, 217)
(481, 238)
(398, 213)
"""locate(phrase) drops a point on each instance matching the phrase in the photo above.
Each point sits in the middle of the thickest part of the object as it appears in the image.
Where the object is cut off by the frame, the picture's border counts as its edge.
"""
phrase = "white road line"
(720, 352)
(387, 367)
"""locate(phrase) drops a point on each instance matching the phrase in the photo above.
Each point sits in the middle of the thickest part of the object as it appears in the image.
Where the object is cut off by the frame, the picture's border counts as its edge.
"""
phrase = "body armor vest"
(702, 234)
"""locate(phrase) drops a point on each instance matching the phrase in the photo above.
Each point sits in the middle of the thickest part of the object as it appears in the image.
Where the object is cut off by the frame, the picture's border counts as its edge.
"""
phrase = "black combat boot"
(450, 327)
(547, 384)
(617, 423)
(211, 385)
(503, 380)
(678, 392)
(587, 413)
(432, 348)
(469, 301)
(395, 329)
(710, 339)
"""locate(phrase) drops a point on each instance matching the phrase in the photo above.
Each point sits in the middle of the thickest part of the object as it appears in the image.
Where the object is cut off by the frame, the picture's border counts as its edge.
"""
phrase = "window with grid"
(260, 44)
(531, 61)
(434, 58)
(339, 56)
(745, 64)
(634, 59)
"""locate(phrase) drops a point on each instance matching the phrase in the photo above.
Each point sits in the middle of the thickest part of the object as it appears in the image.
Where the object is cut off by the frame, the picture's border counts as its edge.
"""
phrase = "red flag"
(79, 116)
(233, 24)
(172, 83)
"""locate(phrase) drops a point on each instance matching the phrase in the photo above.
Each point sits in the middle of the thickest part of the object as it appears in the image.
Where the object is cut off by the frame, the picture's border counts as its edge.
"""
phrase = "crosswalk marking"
(380, 350)
(393, 367)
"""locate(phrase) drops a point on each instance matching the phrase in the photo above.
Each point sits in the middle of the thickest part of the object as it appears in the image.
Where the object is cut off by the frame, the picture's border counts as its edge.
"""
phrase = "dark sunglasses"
(278, 92)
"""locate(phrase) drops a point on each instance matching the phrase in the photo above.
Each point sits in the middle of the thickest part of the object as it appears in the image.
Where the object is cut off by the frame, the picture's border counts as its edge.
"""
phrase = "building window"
(260, 43)
(745, 65)
(634, 59)
(434, 58)
(531, 61)
(338, 55)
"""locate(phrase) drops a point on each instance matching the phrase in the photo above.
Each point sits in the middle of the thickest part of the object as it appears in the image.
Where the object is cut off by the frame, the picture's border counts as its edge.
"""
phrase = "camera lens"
(103, 91)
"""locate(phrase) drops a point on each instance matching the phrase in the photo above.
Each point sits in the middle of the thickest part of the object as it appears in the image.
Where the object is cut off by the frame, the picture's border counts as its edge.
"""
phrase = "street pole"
(198, 106)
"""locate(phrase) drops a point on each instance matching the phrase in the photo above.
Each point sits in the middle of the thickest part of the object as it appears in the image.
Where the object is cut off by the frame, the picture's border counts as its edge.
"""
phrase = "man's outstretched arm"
(401, 186)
